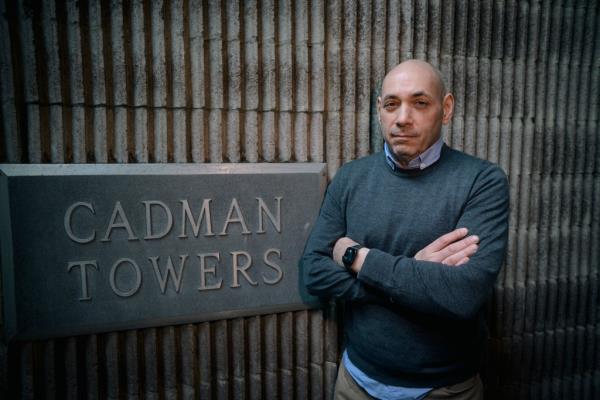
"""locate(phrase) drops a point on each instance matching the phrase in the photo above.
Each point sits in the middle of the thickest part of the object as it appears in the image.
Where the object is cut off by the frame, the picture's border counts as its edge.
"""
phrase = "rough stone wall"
(294, 81)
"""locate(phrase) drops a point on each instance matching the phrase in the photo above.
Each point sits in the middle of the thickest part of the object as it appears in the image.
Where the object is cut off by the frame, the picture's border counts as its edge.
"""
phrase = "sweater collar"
(422, 161)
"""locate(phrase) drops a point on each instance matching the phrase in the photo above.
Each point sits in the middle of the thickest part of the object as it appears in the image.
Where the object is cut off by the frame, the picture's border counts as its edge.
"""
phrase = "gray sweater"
(407, 322)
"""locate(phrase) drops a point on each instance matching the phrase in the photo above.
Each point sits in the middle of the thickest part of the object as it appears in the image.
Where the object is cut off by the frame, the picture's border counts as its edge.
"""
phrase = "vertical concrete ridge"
(234, 81)
(268, 77)
(132, 363)
(378, 66)
(53, 65)
(178, 82)
(405, 17)
(30, 84)
(271, 351)
(10, 149)
(434, 32)
(333, 56)
(215, 81)
(301, 81)
(198, 79)
(140, 81)
(285, 75)
(399, 21)
(318, 82)
(98, 75)
(363, 78)
(159, 81)
(251, 82)
(120, 83)
(222, 367)
(255, 357)
(286, 354)
(420, 29)
(349, 66)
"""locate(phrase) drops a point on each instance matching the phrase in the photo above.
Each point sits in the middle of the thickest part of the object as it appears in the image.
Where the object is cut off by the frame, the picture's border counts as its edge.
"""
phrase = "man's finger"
(455, 258)
(458, 246)
(463, 261)
(445, 240)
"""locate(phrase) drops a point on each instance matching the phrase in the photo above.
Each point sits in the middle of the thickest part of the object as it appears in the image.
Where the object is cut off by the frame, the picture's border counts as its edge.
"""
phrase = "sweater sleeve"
(457, 292)
(323, 277)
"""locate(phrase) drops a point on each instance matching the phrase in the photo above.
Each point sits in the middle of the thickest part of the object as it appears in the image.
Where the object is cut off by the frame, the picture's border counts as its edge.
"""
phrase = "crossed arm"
(453, 248)
(451, 277)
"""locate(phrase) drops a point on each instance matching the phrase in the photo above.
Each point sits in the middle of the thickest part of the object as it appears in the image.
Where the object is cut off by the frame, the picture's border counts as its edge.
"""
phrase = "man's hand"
(453, 248)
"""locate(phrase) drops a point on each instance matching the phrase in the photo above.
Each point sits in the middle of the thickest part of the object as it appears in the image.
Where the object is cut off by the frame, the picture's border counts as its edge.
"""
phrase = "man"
(412, 238)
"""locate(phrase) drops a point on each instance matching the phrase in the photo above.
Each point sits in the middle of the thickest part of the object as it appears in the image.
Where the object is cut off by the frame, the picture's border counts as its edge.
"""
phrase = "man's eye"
(389, 106)
(421, 103)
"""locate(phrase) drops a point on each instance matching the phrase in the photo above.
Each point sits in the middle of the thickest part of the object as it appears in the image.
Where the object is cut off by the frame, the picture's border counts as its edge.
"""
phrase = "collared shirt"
(422, 161)
(380, 390)
(371, 386)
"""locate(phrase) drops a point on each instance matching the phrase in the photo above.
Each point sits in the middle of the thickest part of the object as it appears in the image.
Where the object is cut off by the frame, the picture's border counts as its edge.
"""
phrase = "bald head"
(418, 69)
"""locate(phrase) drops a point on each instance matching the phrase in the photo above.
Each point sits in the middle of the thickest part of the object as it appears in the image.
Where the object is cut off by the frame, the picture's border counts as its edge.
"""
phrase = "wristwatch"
(350, 255)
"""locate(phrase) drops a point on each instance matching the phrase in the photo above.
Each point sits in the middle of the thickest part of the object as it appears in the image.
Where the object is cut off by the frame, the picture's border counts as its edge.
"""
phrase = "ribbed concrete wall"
(294, 81)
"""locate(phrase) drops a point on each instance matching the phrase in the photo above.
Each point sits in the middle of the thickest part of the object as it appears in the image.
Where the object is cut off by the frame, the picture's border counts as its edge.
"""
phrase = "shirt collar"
(422, 161)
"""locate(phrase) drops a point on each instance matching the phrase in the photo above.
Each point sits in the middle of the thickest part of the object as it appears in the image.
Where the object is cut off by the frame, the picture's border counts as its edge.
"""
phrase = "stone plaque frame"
(55, 218)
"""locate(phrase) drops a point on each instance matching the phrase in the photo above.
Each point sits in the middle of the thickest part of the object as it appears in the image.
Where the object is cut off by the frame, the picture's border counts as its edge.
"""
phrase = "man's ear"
(447, 108)
(378, 108)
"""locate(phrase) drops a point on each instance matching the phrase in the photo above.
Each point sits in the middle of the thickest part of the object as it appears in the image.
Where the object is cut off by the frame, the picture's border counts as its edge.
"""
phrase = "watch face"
(349, 256)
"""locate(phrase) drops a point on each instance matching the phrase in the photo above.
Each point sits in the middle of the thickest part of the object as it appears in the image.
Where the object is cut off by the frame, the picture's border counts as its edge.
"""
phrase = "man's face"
(412, 109)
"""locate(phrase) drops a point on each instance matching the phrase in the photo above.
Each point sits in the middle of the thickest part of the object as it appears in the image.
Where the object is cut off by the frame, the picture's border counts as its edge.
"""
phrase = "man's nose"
(403, 116)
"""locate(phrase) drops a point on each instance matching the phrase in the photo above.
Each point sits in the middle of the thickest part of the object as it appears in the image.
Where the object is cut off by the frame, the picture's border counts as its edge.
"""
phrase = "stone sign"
(92, 248)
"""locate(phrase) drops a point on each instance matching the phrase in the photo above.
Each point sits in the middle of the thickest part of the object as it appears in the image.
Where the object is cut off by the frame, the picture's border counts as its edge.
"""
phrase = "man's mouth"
(403, 135)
